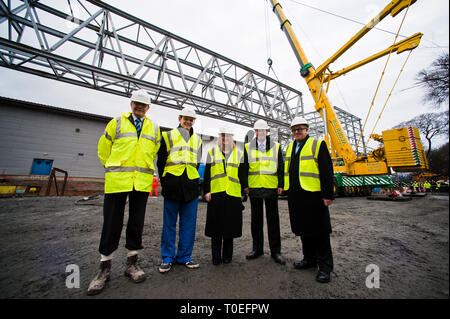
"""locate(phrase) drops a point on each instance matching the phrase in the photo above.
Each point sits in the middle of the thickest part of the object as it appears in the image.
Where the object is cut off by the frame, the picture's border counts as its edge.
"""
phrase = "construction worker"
(433, 186)
(223, 192)
(421, 186)
(178, 162)
(427, 186)
(127, 150)
(263, 160)
(309, 185)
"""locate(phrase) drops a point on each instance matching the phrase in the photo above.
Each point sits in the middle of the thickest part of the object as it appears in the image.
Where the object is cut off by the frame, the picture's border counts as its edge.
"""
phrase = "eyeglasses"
(299, 129)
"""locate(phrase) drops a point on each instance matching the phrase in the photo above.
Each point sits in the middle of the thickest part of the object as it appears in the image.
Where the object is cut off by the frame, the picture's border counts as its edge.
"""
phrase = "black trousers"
(273, 224)
(317, 249)
(113, 212)
(221, 248)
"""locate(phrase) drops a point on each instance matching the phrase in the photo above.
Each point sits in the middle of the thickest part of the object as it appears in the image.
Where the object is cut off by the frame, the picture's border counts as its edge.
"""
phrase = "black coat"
(224, 212)
(224, 216)
(307, 213)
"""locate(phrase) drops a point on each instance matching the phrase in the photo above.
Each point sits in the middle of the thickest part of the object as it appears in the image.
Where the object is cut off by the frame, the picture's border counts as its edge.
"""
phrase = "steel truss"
(94, 45)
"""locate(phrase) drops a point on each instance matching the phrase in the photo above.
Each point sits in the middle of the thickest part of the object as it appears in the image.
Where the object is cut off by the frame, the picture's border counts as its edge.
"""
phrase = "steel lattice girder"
(112, 51)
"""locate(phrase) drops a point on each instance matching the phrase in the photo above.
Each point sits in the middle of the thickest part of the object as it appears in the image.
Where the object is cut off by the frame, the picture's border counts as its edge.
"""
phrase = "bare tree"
(429, 125)
(435, 81)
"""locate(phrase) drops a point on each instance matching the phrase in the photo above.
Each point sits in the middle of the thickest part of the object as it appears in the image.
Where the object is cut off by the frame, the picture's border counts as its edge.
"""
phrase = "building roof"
(53, 109)
(63, 111)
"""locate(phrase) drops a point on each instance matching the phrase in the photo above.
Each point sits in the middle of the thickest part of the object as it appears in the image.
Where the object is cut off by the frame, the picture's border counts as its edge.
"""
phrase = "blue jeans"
(186, 235)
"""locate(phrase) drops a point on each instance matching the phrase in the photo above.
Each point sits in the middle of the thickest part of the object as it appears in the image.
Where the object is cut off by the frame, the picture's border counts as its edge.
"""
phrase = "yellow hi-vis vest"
(228, 181)
(309, 165)
(182, 154)
(128, 160)
(263, 167)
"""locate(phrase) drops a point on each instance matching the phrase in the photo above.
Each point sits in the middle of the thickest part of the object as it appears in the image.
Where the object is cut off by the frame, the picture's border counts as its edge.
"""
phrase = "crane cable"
(381, 78)
(268, 42)
(384, 106)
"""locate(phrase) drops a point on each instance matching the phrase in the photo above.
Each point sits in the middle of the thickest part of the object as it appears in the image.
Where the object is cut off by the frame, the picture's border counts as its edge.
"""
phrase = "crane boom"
(322, 103)
(354, 165)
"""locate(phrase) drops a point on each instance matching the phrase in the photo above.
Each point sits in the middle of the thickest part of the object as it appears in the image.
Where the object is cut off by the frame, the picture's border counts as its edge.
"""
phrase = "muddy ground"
(407, 241)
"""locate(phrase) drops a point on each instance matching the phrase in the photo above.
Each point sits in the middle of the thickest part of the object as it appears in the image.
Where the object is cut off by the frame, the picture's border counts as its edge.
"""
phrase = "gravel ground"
(406, 241)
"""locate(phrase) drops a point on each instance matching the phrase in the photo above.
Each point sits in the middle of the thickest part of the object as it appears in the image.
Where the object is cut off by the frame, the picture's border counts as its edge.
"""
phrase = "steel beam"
(106, 49)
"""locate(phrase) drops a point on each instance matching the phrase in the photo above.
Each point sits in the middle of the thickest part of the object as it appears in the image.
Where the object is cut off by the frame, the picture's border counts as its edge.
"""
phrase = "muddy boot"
(133, 270)
(98, 283)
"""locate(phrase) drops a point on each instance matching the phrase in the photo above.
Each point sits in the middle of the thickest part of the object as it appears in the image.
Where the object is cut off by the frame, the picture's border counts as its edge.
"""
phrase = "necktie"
(138, 124)
(297, 148)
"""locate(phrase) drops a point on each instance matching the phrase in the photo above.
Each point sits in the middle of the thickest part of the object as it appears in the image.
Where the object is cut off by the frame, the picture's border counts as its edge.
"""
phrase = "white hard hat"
(188, 111)
(261, 125)
(140, 96)
(299, 120)
(226, 130)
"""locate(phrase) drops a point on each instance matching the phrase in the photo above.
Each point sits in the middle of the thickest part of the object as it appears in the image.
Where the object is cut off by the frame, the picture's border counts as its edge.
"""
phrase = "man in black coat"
(309, 184)
(260, 195)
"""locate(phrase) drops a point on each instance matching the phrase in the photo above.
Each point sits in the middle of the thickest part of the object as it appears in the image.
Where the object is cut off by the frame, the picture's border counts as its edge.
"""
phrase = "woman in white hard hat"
(224, 195)
(178, 161)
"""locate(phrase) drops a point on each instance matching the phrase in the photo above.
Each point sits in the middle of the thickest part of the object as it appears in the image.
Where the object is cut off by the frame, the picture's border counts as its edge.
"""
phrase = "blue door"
(41, 166)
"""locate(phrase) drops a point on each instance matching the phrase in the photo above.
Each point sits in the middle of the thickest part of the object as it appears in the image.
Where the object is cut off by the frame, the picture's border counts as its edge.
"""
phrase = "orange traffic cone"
(154, 186)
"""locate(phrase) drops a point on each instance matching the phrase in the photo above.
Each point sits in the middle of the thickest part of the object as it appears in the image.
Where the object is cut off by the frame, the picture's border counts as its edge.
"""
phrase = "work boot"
(133, 270)
(98, 283)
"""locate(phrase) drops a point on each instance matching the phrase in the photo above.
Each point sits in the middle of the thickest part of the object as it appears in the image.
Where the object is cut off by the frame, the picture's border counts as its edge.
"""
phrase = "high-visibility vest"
(128, 160)
(263, 166)
(182, 155)
(309, 166)
(221, 180)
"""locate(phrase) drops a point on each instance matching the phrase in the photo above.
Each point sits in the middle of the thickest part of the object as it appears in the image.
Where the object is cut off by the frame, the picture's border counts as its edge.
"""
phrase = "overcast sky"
(240, 30)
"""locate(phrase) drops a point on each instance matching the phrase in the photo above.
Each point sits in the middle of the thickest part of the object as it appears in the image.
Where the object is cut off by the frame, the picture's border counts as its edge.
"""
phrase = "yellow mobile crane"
(402, 150)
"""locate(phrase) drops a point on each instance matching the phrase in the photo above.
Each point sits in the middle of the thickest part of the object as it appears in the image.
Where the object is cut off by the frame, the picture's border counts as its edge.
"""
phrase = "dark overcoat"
(224, 216)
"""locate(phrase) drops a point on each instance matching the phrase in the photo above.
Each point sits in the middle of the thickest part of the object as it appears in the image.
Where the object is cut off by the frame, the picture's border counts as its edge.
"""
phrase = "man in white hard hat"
(263, 182)
(127, 150)
(178, 161)
(309, 185)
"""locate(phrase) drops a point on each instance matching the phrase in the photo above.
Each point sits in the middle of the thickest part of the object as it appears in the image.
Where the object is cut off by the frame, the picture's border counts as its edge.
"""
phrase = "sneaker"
(165, 267)
(192, 265)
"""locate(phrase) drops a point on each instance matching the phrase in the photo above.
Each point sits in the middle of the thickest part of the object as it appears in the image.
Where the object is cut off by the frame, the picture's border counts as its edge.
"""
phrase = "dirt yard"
(407, 241)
